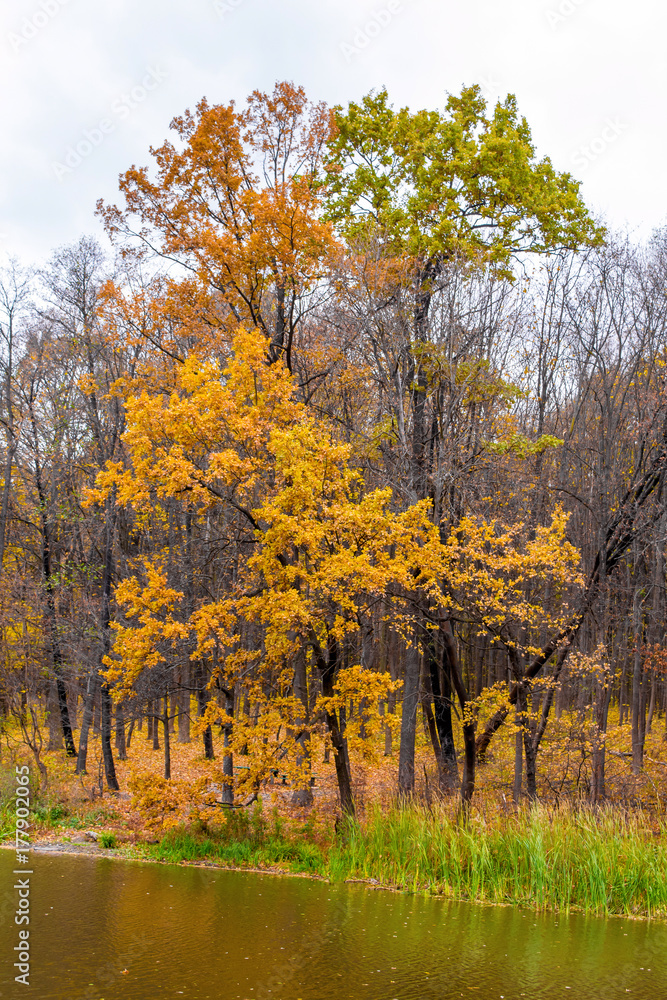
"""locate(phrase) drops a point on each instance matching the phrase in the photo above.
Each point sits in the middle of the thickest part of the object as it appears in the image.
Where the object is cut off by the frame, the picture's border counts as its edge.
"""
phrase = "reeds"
(604, 862)
(599, 862)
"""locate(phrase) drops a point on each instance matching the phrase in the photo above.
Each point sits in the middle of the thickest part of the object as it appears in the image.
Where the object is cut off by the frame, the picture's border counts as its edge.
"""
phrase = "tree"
(238, 207)
(318, 550)
(439, 188)
(15, 289)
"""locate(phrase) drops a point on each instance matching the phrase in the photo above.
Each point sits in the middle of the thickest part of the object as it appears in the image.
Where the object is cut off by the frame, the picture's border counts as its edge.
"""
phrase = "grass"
(245, 841)
(7, 819)
(604, 863)
(49, 816)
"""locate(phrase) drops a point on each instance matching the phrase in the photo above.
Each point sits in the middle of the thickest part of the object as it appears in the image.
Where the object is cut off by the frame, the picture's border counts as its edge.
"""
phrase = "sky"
(86, 86)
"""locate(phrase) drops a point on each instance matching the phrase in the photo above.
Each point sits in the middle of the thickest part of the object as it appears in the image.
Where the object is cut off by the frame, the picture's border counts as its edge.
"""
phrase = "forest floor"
(561, 854)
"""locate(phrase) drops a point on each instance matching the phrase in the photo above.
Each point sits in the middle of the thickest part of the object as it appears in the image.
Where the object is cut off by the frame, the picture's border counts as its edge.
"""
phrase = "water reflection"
(102, 929)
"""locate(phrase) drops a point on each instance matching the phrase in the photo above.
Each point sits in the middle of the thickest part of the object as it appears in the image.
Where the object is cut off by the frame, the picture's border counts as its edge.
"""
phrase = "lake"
(105, 929)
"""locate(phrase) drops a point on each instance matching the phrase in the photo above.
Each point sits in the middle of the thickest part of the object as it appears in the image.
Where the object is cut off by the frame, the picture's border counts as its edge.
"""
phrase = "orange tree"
(312, 550)
(235, 202)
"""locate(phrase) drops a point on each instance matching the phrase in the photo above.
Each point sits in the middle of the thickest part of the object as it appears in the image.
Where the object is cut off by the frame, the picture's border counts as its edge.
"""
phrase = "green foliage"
(49, 816)
(599, 862)
(246, 840)
(6, 820)
(520, 446)
(108, 840)
(459, 184)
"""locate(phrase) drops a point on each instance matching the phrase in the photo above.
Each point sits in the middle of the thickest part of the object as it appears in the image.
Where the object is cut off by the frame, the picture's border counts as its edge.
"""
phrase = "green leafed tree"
(434, 189)
(460, 183)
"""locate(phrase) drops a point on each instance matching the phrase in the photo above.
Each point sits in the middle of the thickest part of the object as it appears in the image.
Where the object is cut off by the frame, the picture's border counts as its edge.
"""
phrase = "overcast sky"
(106, 77)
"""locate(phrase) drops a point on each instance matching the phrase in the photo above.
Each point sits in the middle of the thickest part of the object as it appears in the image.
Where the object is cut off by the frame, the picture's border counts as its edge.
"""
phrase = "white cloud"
(601, 61)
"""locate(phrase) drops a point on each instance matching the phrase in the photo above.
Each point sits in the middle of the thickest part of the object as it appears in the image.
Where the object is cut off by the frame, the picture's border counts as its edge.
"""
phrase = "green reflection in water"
(103, 929)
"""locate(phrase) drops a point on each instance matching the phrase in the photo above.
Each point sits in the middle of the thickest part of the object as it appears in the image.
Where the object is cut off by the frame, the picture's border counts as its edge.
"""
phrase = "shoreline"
(93, 850)
(120, 854)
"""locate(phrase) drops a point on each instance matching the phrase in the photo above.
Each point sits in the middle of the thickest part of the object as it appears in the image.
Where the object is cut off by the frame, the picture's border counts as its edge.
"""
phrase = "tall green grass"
(602, 862)
(7, 820)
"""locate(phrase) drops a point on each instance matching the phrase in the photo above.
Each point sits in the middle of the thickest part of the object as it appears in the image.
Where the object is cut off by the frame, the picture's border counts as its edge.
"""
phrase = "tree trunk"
(11, 445)
(120, 732)
(637, 708)
(603, 701)
(469, 758)
(469, 725)
(207, 738)
(518, 747)
(202, 700)
(406, 753)
(167, 739)
(303, 795)
(441, 683)
(72, 702)
(53, 718)
(327, 669)
(391, 710)
(227, 757)
(156, 724)
(172, 711)
(530, 748)
(107, 753)
(86, 720)
(184, 704)
(651, 706)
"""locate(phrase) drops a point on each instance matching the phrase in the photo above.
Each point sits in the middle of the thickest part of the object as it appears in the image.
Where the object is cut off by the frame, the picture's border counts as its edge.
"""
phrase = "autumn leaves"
(284, 482)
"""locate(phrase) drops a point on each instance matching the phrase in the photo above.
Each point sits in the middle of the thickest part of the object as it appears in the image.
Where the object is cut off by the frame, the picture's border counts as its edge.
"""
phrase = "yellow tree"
(314, 548)
(519, 584)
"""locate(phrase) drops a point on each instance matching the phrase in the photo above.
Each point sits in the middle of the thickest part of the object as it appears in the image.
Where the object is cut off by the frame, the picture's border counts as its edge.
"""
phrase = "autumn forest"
(345, 459)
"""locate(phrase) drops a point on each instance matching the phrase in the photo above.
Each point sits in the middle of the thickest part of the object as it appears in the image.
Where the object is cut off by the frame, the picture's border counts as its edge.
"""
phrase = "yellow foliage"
(498, 575)
(366, 688)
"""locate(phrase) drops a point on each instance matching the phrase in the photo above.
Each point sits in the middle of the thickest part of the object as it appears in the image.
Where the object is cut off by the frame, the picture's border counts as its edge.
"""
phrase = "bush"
(49, 815)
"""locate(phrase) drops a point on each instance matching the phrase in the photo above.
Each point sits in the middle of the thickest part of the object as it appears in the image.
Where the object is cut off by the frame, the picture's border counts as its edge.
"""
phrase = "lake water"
(103, 929)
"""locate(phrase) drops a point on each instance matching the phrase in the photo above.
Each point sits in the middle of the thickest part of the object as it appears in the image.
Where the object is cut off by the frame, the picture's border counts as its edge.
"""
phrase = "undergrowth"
(245, 841)
(604, 862)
